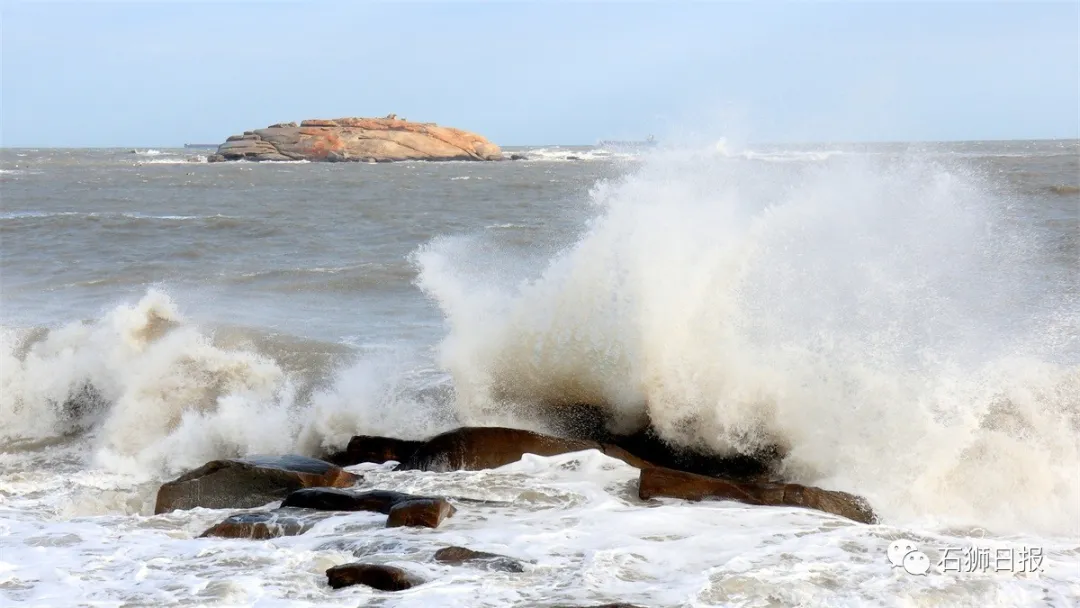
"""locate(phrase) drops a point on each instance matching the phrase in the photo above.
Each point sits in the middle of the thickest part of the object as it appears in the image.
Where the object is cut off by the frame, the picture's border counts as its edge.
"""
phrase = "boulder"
(420, 512)
(379, 139)
(383, 578)
(489, 561)
(262, 525)
(243, 483)
(330, 499)
(657, 481)
(476, 448)
(518, 157)
(367, 448)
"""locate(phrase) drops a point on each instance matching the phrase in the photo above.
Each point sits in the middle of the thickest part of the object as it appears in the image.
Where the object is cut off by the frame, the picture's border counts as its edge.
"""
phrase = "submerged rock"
(354, 139)
(383, 578)
(420, 512)
(262, 525)
(243, 483)
(330, 499)
(489, 561)
(656, 481)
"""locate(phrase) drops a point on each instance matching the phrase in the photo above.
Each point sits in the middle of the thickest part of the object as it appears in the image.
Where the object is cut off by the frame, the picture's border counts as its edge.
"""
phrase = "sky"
(162, 73)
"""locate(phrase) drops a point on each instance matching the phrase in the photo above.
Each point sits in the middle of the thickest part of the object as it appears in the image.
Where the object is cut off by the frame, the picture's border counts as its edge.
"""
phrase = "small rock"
(243, 483)
(518, 157)
(383, 578)
(260, 525)
(215, 158)
(330, 499)
(421, 512)
(490, 561)
(573, 158)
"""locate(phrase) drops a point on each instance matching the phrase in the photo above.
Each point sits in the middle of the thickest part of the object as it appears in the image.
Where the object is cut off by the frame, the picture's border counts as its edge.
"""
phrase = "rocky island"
(357, 139)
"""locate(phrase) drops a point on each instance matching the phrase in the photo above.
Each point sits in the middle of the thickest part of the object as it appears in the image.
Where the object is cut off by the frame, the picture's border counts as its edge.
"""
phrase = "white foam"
(860, 315)
(165, 398)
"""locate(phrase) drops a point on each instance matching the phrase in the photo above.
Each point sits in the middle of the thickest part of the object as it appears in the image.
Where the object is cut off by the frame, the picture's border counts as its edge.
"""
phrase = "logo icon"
(905, 554)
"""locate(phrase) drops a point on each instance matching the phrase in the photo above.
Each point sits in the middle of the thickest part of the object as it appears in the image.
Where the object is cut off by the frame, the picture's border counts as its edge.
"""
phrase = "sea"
(902, 320)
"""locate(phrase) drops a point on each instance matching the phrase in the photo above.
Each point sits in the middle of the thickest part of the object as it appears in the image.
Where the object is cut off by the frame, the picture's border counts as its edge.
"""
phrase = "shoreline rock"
(659, 482)
(383, 578)
(354, 139)
(244, 483)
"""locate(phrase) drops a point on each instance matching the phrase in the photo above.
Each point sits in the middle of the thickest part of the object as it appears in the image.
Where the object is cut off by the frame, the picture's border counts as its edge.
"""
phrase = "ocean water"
(902, 319)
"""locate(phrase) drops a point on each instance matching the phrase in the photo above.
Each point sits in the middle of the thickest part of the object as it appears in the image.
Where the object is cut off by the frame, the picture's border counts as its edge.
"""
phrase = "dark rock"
(383, 578)
(366, 448)
(476, 448)
(518, 157)
(656, 481)
(244, 483)
(573, 158)
(215, 158)
(330, 499)
(420, 512)
(489, 561)
(615, 605)
(647, 445)
(261, 525)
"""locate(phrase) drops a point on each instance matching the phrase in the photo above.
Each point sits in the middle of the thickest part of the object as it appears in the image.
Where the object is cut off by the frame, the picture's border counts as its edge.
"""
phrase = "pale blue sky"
(164, 73)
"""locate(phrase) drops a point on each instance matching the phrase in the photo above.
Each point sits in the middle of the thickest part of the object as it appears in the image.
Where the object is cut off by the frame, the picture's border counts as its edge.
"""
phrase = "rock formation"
(357, 139)
(243, 483)
(489, 561)
(655, 481)
(420, 513)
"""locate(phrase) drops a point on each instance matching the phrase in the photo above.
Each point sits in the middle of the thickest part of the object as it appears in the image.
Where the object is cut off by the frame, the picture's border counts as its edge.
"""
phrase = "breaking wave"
(879, 321)
(150, 393)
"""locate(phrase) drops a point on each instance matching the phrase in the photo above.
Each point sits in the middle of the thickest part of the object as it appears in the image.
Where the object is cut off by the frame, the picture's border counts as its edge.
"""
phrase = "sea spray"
(149, 393)
(878, 319)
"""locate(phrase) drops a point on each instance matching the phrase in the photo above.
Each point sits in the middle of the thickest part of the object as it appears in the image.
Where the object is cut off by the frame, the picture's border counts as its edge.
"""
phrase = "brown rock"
(383, 578)
(475, 448)
(656, 481)
(420, 512)
(381, 139)
(330, 499)
(261, 525)
(365, 448)
(490, 561)
(244, 483)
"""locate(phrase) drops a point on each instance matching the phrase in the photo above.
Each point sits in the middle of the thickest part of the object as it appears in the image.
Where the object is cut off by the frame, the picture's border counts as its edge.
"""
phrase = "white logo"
(904, 554)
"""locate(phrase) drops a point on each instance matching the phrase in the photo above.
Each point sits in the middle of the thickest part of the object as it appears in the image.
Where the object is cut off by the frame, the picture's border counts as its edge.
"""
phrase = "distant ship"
(200, 145)
(614, 143)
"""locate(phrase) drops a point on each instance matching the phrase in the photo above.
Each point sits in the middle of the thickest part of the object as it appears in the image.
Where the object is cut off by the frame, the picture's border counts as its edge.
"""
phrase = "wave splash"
(878, 320)
(152, 394)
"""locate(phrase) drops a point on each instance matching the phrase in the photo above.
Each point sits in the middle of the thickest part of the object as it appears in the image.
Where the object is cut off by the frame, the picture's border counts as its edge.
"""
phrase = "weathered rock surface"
(420, 512)
(262, 525)
(489, 561)
(472, 448)
(656, 481)
(357, 139)
(244, 483)
(368, 448)
(383, 578)
(331, 499)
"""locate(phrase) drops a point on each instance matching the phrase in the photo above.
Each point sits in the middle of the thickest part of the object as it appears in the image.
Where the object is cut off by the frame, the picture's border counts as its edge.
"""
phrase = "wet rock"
(262, 525)
(215, 158)
(420, 512)
(489, 561)
(330, 499)
(366, 448)
(615, 605)
(244, 483)
(573, 158)
(383, 578)
(518, 157)
(476, 448)
(646, 444)
(656, 481)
